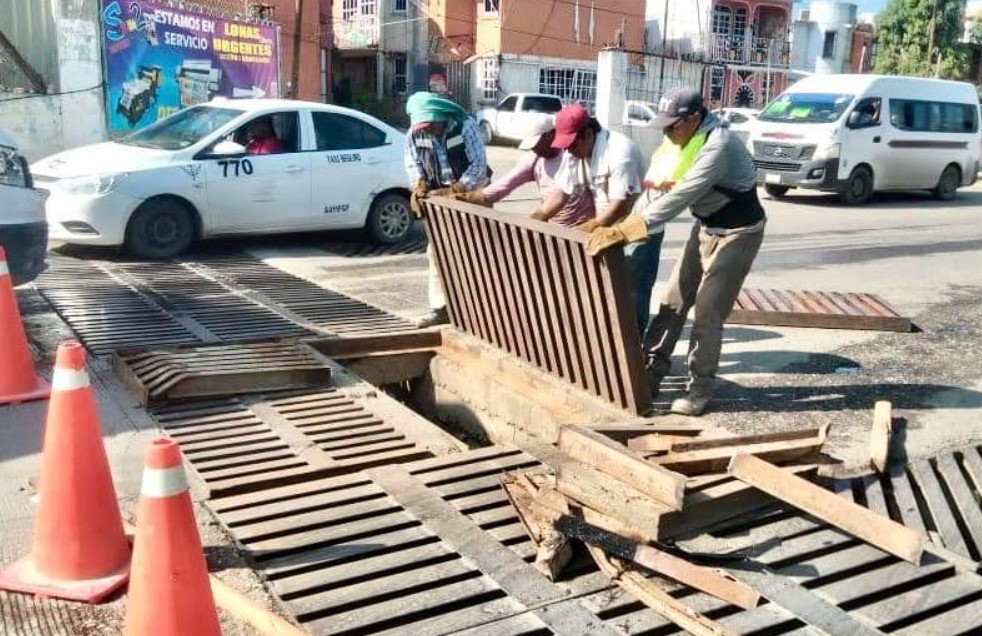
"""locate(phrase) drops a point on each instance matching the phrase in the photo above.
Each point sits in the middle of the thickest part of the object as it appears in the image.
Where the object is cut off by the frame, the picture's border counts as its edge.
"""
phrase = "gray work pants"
(708, 276)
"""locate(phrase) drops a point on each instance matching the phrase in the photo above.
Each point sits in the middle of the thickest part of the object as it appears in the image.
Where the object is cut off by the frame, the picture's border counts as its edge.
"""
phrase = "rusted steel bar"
(531, 289)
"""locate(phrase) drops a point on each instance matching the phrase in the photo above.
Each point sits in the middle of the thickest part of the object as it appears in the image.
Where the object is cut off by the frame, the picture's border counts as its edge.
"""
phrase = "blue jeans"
(642, 268)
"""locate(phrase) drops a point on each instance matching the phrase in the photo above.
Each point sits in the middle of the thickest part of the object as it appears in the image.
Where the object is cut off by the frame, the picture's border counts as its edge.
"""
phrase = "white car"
(23, 232)
(190, 176)
(740, 119)
(516, 115)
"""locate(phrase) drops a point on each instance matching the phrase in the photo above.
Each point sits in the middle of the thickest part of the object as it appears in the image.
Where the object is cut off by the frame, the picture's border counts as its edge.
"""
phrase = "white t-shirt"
(613, 172)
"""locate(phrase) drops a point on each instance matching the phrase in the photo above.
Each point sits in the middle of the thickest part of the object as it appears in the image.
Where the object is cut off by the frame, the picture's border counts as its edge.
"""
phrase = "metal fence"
(649, 75)
(531, 289)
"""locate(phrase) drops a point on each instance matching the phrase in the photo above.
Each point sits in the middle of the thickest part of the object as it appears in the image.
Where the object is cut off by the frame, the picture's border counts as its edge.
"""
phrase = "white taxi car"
(196, 175)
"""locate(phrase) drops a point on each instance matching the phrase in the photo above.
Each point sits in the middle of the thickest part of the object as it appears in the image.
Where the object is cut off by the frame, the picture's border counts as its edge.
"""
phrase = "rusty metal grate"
(816, 309)
(531, 289)
(105, 312)
(434, 547)
(154, 376)
(307, 303)
(249, 443)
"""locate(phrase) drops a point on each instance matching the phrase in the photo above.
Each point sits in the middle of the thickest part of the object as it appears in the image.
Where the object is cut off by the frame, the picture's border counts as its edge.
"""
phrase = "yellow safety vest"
(671, 162)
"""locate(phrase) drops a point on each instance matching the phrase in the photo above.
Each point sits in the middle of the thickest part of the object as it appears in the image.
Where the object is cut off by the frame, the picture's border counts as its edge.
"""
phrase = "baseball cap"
(534, 133)
(675, 104)
(569, 122)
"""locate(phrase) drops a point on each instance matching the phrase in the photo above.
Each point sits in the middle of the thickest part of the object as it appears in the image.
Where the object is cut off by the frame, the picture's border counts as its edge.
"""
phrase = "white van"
(23, 230)
(856, 134)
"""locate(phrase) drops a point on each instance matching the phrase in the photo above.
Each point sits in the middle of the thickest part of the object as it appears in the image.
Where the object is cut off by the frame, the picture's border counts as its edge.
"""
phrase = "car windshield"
(806, 108)
(182, 129)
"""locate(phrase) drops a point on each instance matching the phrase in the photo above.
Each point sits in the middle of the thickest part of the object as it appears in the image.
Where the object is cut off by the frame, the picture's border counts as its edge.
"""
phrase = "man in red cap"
(606, 165)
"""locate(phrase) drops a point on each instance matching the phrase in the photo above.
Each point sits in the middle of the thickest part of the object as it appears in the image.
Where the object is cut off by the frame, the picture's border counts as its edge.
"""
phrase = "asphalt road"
(923, 256)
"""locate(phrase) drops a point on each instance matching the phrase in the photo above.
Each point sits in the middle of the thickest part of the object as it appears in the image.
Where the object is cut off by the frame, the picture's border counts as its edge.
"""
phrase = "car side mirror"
(227, 149)
(853, 121)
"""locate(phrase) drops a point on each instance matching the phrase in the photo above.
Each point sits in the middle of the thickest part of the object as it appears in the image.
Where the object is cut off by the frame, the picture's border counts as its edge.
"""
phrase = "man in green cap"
(444, 151)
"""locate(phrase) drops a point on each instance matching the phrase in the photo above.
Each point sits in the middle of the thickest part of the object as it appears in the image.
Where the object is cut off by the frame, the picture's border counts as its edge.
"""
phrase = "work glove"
(475, 197)
(663, 186)
(419, 192)
(458, 188)
(588, 226)
(633, 228)
(539, 215)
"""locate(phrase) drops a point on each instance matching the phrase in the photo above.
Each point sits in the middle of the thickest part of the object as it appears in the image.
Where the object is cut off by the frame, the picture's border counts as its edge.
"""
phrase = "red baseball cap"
(569, 122)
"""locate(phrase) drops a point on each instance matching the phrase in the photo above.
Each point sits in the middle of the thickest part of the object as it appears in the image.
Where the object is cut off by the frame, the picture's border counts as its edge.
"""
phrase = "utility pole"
(297, 33)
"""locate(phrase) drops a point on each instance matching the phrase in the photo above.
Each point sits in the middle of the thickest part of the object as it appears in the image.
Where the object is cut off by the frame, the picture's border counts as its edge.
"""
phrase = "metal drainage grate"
(381, 552)
(106, 313)
(816, 309)
(249, 443)
(314, 305)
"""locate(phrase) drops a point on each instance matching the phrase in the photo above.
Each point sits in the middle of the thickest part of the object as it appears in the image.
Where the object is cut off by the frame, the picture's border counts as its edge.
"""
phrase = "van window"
(924, 116)
(866, 113)
(806, 108)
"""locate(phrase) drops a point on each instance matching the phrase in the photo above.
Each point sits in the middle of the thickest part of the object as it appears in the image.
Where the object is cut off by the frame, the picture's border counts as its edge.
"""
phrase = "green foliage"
(903, 31)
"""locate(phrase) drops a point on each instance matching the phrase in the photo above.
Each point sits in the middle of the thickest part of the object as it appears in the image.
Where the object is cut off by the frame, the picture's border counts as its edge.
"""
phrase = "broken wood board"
(624, 432)
(695, 576)
(880, 435)
(713, 455)
(618, 461)
(877, 530)
(158, 375)
(827, 310)
(553, 551)
(657, 599)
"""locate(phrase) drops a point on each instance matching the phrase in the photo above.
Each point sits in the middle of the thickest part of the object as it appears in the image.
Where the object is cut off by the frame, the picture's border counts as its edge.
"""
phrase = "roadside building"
(829, 37)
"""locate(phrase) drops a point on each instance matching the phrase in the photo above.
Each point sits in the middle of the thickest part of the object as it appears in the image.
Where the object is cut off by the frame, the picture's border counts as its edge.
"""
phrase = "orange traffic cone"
(79, 552)
(18, 381)
(170, 594)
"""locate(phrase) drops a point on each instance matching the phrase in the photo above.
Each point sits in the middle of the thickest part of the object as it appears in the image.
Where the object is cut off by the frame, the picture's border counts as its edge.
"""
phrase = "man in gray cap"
(716, 179)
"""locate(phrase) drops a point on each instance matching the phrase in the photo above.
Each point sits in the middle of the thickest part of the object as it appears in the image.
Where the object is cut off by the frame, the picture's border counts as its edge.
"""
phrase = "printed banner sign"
(160, 59)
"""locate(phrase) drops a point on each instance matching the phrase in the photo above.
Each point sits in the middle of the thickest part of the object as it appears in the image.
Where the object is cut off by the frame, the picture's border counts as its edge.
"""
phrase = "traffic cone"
(79, 550)
(170, 594)
(18, 381)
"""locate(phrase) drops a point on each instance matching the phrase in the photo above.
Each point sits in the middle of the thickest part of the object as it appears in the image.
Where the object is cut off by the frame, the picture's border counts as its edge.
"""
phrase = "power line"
(36, 95)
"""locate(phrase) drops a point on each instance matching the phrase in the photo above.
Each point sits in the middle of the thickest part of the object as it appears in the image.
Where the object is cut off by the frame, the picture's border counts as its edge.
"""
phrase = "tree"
(907, 29)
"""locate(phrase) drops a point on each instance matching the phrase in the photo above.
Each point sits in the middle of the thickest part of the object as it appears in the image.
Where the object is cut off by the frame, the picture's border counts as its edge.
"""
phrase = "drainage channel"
(434, 547)
(113, 305)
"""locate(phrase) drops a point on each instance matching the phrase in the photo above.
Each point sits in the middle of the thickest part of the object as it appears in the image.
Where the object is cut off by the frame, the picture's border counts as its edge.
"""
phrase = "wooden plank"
(624, 432)
(613, 498)
(854, 519)
(944, 520)
(657, 599)
(340, 347)
(716, 457)
(618, 461)
(880, 434)
(516, 577)
(698, 577)
(805, 605)
(706, 443)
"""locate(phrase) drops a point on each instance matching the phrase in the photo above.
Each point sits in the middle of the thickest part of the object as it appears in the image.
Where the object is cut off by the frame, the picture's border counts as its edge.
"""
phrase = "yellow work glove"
(631, 229)
(587, 226)
(474, 196)
(539, 215)
(419, 192)
(443, 192)
(457, 187)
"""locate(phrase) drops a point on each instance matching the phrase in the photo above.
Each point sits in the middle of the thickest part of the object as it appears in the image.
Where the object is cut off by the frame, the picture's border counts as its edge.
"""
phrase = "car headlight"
(827, 151)
(13, 168)
(91, 184)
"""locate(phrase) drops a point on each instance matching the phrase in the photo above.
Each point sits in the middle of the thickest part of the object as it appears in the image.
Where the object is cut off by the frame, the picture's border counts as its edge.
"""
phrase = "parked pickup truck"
(515, 115)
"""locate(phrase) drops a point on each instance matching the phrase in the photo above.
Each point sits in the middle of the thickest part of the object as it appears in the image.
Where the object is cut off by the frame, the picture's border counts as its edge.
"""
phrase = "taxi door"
(262, 192)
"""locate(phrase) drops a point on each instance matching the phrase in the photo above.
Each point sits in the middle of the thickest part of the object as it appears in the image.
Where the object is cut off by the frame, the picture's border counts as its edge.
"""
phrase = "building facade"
(828, 38)
(747, 44)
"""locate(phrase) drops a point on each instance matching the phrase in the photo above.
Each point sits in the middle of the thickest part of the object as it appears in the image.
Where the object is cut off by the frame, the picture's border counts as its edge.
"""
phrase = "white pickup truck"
(516, 114)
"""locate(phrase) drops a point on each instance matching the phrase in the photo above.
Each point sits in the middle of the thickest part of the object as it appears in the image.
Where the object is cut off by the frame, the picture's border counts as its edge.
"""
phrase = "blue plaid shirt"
(476, 174)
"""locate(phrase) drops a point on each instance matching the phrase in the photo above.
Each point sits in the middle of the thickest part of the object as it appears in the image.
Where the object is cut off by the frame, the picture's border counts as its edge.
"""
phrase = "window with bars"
(717, 81)
(490, 72)
(723, 20)
(368, 7)
(739, 24)
(490, 6)
(349, 8)
(569, 84)
(400, 6)
(399, 75)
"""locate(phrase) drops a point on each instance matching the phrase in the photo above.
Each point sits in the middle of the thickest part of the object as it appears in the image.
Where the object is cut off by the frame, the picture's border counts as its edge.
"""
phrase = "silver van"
(23, 229)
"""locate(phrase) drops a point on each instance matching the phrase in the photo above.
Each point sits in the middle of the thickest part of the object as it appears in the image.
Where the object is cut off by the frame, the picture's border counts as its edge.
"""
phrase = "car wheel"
(160, 228)
(486, 133)
(390, 219)
(859, 188)
(948, 183)
(776, 191)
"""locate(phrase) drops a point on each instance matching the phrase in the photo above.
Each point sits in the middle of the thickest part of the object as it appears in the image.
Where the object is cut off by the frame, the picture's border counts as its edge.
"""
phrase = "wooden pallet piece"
(800, 493)
(648, 592)
(880, 435)
(827, 310)
(700, 457)
(516, 577)
(553, 551)
(630, 467)
(697, 577)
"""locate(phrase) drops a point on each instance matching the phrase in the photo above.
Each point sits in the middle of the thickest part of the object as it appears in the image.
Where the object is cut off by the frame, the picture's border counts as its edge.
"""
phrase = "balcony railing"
(738, 49)
(357, 32)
